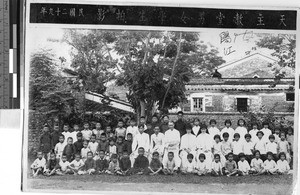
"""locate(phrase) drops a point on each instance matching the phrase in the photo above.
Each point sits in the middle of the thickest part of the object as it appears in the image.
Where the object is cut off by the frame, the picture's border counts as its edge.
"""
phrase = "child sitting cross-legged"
(63, 166)
(52, 165)
(230, 166)
(76, 165)
(201, 166)
(125, 163)
(243, 165)
(257, 165)
(216, 166)
(39, 165)
(188, 166)
(155, 166)
(114, 166)
(101, 163)
(270, 166)
(141, 163)
(169, 165)
(282, 164)
(89, 164)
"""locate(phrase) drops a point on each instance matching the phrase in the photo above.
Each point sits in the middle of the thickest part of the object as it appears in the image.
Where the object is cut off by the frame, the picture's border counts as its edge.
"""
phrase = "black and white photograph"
(139, 98)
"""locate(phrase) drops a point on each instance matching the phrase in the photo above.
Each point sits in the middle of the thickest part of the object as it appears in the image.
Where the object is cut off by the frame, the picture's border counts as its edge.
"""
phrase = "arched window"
(255, 76)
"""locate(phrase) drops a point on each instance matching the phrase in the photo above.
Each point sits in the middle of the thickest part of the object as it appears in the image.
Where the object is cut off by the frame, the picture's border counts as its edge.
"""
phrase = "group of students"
(164, 148)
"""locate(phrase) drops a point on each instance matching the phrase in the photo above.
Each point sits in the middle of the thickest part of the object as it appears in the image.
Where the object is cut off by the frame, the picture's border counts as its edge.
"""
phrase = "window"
(242, 104)
(290, 97)
(198, 105)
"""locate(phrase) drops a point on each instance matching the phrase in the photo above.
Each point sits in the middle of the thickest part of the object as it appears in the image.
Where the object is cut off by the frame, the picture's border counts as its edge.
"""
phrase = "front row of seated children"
(122, 165)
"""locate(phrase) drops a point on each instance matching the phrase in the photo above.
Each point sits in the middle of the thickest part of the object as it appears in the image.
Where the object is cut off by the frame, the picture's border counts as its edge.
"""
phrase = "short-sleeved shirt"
(84, 152)
(283, 165)
(76, 164)
(248, 147)
(89, 164)
(230, 166)
(59, 148)
(257, 163)
(39, 163)
(260, 145)
(202, 166)
(270, 164)
(93, 146)
(155, 164)
(243, 166)
(283, 146)
(237, 147)
(271, 147)
(169, 164)
(86, 134)
(64, 165)
(226, 147)
(216, 166)
(113, 166)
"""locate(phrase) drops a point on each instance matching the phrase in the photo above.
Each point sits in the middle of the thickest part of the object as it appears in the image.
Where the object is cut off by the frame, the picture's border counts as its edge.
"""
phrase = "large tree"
(284, 49)
(91, 57)
(49, 94)
(156, 66)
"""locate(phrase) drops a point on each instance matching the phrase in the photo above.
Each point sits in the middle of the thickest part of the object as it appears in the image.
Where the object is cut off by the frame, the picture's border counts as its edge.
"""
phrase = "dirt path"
(242, 188)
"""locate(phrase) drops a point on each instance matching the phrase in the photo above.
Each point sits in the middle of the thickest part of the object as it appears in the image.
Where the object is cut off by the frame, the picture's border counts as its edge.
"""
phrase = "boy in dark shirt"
(120, 145)
(141, 163)
(55, 135)
(125, 163)
(149, 129)
(103, 144)
(128, 144)
(79, 143)
(69, 150)
(52, 165)
(101, 163)
(46, 142)
(155, 166)
(89, 164)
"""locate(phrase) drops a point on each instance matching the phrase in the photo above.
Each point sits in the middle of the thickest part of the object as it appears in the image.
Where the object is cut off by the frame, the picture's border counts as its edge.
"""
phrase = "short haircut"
(217, 136)
(180, 112)
(66, 124)
(269, 153)
(86, 141)
(188, 126)
(203, 126)
(212, 121)
(217, 156)
(120, 120)
(271, 136)
(282, 132)
(190, 155)
(265, 123)
(172, 153)
(154, 115)
(238, 122)
(111, 139)
(201, 155)
(256, 151)
(103, 134)
(129, 134)
(247, 135)
(166, 116)
(90, 152)
(230, 154)
(120, 137)
(101, 151)
(236, 135)
(155, 153)
(108, 126)
(79, 134)
(64, 155)
(227, 121)
(125, 152)
(86, 122)
(93, 135)
(114, 156)
(282, 154)
(196, 119)
(260, 132)
(132, 120)
(70, 138)
(141, 126)
(254, 123)
(39, 152)
(61, 135)
(142, 117)
(225, 135)
(241, 155)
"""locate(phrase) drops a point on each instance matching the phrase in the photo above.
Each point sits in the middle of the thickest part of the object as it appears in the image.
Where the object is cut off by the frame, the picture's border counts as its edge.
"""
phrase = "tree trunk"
(173, 71)
(143, 108)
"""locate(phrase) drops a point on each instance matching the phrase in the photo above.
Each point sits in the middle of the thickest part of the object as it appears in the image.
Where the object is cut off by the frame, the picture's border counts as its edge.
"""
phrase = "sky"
(236, 43)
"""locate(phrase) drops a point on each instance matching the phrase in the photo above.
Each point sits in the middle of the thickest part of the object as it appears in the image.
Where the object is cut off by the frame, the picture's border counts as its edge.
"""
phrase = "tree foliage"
(48, 92)
(284, 47)
(91, 57)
